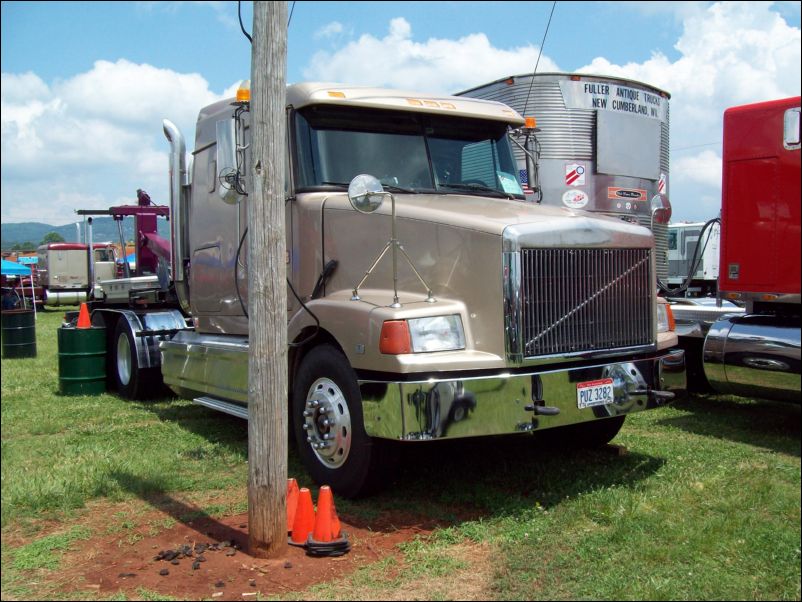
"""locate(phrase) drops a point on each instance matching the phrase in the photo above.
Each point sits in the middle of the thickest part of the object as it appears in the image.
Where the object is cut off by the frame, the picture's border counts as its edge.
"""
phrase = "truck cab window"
(411, 152)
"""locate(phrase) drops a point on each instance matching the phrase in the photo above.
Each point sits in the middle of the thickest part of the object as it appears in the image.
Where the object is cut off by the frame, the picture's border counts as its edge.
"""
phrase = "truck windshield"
(408, 152)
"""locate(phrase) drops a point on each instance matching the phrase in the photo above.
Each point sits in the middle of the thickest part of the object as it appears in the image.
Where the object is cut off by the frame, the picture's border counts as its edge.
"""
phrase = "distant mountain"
(104, 229)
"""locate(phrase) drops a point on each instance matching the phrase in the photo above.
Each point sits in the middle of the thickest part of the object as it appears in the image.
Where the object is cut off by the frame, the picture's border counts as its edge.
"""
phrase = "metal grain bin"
(602, 143)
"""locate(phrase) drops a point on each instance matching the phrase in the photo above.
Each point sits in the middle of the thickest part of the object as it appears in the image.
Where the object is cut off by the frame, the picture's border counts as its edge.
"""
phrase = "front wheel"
(328, 426)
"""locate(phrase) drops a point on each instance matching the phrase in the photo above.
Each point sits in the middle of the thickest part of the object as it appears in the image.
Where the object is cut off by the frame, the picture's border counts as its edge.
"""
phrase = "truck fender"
(304, 329)
(149, 329)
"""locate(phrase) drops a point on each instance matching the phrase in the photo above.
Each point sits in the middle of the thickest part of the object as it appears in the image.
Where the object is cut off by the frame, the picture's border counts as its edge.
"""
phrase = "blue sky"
(85, 85)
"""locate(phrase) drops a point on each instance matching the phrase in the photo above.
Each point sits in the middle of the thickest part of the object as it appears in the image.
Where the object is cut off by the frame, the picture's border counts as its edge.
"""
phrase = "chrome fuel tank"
(754, 356)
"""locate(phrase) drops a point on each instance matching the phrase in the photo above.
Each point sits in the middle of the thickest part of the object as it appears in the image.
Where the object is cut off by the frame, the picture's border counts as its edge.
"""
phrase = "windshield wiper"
(393, 188)
(477, 188)
(387, 187)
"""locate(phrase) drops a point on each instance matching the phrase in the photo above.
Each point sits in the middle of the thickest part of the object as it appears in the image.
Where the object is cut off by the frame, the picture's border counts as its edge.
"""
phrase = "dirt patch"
(207, 558)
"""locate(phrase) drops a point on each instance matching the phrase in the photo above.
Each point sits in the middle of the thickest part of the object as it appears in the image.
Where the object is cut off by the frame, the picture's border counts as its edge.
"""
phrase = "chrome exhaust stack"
(179, 179)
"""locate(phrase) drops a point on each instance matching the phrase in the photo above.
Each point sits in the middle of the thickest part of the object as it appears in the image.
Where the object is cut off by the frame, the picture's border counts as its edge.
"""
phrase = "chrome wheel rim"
(327, 423)
(123, 360)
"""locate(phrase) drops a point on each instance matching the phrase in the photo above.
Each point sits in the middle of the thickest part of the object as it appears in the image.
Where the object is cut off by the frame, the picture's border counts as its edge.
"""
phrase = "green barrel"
(81, 360)
(19, 333)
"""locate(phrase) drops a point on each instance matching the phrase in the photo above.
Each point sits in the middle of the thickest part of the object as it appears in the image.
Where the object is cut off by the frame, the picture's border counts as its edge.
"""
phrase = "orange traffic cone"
(292, 502)
(83, 317)
(304, 521)
(326, 538)
(324, 530)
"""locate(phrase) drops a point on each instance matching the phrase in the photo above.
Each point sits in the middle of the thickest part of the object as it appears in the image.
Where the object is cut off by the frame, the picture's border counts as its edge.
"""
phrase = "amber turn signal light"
(395, 338)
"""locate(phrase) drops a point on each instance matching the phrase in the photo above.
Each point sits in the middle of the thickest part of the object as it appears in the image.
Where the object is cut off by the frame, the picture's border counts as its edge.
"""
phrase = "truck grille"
(576, 300)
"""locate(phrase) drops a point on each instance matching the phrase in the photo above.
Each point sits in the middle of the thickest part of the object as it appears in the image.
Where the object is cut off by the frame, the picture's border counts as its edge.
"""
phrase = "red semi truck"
(757, 353)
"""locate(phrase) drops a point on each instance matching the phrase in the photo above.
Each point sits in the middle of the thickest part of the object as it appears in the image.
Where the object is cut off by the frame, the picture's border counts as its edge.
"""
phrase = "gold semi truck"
(491, 316)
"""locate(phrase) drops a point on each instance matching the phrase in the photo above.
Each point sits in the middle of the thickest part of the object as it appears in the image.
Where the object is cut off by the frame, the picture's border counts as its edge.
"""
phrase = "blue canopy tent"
(11, 268)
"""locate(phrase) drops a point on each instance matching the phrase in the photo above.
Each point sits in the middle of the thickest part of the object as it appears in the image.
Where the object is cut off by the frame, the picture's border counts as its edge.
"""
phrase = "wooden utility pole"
(267, 287)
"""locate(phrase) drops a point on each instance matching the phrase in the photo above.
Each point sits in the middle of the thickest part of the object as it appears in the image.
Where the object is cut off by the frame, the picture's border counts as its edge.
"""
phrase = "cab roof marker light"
(244, 91)
(336, 94)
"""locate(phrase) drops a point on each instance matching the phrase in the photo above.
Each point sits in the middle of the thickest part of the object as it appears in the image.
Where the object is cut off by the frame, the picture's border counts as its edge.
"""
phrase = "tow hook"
(658, 397)
(538, 405)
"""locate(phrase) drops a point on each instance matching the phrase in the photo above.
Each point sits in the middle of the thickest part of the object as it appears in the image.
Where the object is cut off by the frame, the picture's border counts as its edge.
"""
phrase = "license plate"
(594, 393)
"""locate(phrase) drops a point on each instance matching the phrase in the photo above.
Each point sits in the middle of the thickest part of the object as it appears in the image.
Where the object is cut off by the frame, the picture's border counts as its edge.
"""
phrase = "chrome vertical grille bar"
(575, 300)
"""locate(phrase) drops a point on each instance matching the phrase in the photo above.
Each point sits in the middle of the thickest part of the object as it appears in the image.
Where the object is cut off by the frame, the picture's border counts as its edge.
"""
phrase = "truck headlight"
(665, 318)
(439, 333)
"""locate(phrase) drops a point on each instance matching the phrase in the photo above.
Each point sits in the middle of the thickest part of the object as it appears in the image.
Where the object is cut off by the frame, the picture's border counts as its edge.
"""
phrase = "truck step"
(223, 406)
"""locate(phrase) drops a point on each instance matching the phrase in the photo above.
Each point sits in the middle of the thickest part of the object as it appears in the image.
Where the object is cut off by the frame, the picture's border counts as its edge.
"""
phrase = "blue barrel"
(81, 360)
(19, 333)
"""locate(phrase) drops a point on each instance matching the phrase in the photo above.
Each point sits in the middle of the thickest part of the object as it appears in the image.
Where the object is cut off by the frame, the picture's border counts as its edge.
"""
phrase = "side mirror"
(366, 193)
(661, 209)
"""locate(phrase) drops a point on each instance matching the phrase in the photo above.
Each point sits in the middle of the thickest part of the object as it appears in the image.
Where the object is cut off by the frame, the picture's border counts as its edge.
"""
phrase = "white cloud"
(129, 92)
(731, 53)
(437, 65)
(329, 30)
(92, 139)
(223, 11)
(703, 168)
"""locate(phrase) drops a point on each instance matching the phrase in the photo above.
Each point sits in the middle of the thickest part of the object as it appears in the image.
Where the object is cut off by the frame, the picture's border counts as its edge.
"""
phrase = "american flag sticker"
(575, 174)
(523, 176)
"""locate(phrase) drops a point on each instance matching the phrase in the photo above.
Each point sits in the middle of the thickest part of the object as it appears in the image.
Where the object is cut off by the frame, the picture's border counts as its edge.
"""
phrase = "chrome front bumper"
(513, 403)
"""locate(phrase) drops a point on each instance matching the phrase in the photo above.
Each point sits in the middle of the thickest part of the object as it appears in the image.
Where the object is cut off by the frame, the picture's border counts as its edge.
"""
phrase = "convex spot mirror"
(366, 193)
(226, 161)
(661, 209)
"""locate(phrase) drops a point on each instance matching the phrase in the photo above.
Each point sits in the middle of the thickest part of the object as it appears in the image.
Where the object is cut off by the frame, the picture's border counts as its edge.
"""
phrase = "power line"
(542, 43)
(292, 10)
(695, 146)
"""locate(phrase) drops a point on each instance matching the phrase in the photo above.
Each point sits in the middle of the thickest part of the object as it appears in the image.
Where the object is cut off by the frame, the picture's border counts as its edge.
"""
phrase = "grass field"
(704, 504)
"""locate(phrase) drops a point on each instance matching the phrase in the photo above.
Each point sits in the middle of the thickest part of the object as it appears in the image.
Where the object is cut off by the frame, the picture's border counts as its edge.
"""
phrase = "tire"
(326, 402)
(128, 378)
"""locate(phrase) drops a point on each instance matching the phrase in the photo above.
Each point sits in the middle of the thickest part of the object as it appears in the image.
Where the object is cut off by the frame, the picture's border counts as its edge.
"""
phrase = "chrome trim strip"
(511, 269)
(223, 406)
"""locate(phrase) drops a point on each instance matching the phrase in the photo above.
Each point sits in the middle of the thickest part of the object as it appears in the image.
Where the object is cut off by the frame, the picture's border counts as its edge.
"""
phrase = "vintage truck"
(65, 274)
(500, 316)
